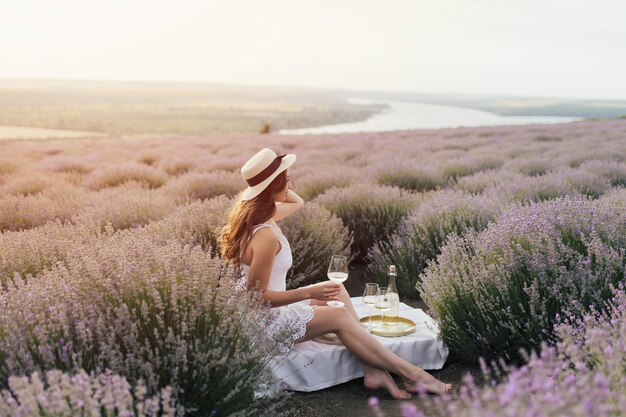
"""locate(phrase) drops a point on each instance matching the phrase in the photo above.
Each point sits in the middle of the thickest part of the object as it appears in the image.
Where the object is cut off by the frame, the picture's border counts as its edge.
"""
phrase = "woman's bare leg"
(345, 297)
(369, 350)
(373, 378)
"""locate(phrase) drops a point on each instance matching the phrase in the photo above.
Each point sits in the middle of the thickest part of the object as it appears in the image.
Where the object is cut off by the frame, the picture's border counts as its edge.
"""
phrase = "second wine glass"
(383, 303)
(369, 298)
(337, 272)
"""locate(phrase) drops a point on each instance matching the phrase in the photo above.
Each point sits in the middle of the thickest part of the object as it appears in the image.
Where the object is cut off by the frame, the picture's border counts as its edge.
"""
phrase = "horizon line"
(303, 87)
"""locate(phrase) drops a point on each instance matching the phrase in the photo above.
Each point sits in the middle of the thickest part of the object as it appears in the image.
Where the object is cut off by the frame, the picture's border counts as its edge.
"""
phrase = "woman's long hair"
(234, 236)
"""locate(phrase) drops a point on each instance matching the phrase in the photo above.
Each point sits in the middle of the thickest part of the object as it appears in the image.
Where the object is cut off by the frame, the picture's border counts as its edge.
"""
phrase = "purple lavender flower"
(410, 410)
(555, 381)
(81, 394)
(519, 273)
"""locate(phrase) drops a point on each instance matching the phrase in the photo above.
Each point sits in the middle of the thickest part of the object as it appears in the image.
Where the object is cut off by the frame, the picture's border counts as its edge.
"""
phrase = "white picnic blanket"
(312, 365)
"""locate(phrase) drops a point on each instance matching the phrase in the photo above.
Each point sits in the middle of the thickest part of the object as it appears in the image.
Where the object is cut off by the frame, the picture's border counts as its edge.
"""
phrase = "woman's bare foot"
(377, 379)
(426, 383)
(437, 388)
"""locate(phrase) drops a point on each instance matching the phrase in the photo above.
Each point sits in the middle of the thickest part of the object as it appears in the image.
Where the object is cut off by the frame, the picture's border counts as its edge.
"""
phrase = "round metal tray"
(403, 328)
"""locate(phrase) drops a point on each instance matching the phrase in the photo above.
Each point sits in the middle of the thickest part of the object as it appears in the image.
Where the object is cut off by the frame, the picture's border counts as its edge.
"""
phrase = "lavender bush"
(200, 186)
(315, 234)
(7, 167)
(313, 184)
(477, 183)
(412, 176)
(461, 167)
(498, 291)
(62, 395)
(61, 201)
(613, 171)
(586, 183)
(559, 183)
(28, 253)
(167, 315)
(27, 185)
(126, 206)
(420, 237)
(177, 165)
(115, 175)
(193, 224)
(575, 158)
(371, 213)
(531, 167)
(65, 164)
(583, 375)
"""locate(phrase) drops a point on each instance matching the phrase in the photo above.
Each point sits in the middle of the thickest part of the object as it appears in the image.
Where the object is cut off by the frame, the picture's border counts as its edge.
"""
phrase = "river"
(402, 115)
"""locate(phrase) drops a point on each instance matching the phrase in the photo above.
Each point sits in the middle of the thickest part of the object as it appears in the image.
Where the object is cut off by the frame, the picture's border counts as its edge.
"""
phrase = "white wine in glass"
(383, 303)
(337, 272)
(369, 298)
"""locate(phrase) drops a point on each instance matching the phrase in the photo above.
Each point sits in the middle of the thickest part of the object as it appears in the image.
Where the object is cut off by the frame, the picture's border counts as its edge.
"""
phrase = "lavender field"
(113, 299)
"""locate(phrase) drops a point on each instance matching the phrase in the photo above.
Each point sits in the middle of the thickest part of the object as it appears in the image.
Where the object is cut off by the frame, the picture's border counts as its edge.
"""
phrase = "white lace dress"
(295, 315)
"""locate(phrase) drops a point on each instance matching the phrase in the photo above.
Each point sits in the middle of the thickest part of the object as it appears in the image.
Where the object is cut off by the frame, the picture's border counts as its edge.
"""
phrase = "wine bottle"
(391, 317)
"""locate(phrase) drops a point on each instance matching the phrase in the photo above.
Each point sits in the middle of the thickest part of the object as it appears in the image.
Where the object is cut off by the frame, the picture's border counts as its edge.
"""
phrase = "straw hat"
(261, 169)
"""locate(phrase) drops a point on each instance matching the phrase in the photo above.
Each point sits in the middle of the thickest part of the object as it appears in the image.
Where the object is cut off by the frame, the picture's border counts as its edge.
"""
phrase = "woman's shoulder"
(265, 242)
(265, 234)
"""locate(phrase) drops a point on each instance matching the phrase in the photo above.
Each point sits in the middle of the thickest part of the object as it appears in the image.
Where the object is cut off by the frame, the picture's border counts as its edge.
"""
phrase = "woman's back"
(282, 261)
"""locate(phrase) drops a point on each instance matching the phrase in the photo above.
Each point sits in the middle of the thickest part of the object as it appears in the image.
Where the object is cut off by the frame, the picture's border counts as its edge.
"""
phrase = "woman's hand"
(292, 197)
(289, 206)
(326, 290)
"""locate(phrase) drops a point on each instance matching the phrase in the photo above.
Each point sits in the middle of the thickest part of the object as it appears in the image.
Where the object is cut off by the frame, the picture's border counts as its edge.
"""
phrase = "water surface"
(402, 115)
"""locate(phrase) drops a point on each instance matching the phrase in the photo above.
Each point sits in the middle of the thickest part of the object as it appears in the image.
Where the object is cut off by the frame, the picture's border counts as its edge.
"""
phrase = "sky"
(544, 48)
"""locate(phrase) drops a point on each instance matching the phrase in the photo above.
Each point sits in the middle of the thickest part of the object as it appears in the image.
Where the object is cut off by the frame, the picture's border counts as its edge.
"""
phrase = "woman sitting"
(252, 240)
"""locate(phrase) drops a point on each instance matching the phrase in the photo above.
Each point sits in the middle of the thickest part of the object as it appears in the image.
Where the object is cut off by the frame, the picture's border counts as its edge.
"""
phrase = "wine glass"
(337, 272)
(383, 303)
(369, 298)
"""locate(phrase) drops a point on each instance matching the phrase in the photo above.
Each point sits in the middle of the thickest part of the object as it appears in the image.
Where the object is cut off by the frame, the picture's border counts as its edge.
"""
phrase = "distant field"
(131, 108)
(17, 132)
(515, 106)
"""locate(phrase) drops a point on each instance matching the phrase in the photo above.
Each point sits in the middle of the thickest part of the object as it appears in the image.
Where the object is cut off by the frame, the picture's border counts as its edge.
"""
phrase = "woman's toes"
(401, 394)
(427, 387)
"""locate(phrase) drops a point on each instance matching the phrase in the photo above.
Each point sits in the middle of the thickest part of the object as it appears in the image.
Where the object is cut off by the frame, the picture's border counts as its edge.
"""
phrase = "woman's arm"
(292, 204)
(325, 291)
(264, 246)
